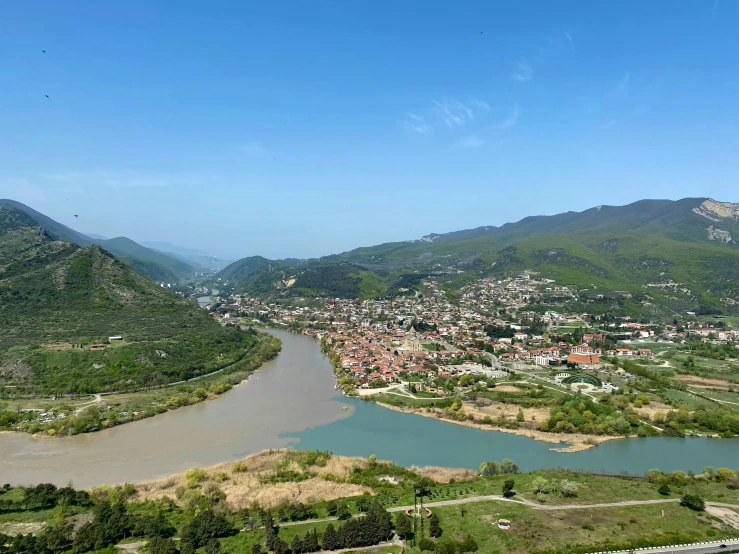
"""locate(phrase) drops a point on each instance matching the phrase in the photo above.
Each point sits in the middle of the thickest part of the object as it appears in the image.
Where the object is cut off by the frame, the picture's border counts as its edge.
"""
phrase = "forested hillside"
(57, 300)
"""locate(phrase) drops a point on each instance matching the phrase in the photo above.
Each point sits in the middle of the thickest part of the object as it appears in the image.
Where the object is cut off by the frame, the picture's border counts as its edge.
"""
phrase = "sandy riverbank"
(575, 442)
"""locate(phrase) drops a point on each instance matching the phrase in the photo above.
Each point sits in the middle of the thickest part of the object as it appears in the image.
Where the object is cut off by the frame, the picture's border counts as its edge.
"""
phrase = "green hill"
(149, 262)
(56, 299)
(680, 254)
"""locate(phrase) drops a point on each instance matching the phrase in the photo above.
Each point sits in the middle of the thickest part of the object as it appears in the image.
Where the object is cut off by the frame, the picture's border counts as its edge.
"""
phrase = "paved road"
(732, 546)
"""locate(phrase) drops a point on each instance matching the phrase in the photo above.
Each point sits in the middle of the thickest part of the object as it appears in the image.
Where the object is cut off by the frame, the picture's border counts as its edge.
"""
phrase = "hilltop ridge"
(682, 254)
(57, 299)
(151, 263)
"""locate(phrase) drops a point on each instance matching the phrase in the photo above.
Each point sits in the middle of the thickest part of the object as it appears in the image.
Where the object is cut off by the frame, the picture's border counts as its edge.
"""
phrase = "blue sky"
(309, 128)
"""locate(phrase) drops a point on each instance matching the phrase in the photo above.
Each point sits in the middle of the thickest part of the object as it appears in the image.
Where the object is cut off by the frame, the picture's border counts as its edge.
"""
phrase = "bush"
(445, 547)
(468, 544)
(568, 489)
(426, 544)
(664, 490)
(240, 467)
(693, 501)
(195, 476)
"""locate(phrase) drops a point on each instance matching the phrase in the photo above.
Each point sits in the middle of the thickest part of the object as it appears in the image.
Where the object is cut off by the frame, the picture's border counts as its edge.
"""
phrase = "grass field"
(537, 529)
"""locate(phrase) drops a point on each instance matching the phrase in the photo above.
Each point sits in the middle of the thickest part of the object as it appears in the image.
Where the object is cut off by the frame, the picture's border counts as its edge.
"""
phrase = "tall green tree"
(330, 538)
(403, 526)
(434, 526)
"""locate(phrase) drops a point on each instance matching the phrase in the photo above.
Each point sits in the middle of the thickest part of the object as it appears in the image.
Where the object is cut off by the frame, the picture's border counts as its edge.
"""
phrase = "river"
(292, 402)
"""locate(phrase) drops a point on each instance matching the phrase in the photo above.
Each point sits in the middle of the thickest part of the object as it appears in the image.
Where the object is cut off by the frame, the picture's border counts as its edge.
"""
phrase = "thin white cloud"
(480, 106)
(569, 38)
(511, 120)
(472, 141)
(449, 113)
(418, 123)
(453, 113)
(524, 71)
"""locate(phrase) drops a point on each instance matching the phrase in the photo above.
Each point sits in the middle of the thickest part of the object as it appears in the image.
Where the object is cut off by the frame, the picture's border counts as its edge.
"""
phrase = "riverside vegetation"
(293, 501)
(59, 304)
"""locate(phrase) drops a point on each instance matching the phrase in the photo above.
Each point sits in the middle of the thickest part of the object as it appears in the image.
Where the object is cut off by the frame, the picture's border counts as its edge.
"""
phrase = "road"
(732, 546)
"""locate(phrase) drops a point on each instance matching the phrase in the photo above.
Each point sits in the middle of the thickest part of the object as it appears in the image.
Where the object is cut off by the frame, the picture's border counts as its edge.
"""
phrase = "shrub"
(693, 501)
(664, 489)
(195, 476)
(568, 489)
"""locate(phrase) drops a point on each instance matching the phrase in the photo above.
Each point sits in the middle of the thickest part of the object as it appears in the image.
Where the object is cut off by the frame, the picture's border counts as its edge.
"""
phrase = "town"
(502, 344)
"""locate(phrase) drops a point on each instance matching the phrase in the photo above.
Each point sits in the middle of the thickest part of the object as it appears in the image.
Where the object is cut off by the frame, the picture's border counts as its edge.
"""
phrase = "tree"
(724, 474)
(281, 547)
(56, 538)
(342, 511)
(568, 489)
(158, 545)
(403, 527)
(256, 549)
(508, 488)
(213, 546)
(331, 507)
(330, 540)
(205, 526)
(435, 526)
(297, 545)
(541, 486)
(490, 468)
(363, 503)
(519, 415)
(310, 542)
(664, 489)
(372, 460)
(693, 501)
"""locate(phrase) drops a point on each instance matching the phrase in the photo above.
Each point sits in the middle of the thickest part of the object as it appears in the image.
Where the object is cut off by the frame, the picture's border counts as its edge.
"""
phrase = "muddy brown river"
(292, 401)
(288, 395)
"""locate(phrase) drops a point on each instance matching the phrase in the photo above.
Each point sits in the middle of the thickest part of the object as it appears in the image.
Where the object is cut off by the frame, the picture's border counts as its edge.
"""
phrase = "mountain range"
(677, 255)
(162, 263)
(57, 298)
(196, 258)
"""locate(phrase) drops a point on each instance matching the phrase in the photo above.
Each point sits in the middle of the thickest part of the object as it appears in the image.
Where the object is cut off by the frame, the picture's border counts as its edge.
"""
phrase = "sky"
(300, 129)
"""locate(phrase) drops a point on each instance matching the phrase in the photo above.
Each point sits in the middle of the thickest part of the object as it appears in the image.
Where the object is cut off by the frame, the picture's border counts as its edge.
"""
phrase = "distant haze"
(323, 127)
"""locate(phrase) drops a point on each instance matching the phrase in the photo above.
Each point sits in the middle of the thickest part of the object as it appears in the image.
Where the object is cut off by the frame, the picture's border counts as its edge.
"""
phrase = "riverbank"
(306, 492)
(58, 417)
(576, 442)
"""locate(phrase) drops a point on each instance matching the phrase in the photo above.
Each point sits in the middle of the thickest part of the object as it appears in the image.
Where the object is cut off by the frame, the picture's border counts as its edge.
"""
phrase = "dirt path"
(83, 407)
(521, 501)
(727, 515)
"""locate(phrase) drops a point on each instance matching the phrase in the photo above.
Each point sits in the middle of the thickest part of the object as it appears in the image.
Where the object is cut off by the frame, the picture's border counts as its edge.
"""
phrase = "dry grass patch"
(340, 466)
(12, 529)
(242, 482)
(507, 388)
(443, 474)
(509, 410)
(704, 382)
(652, 408)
